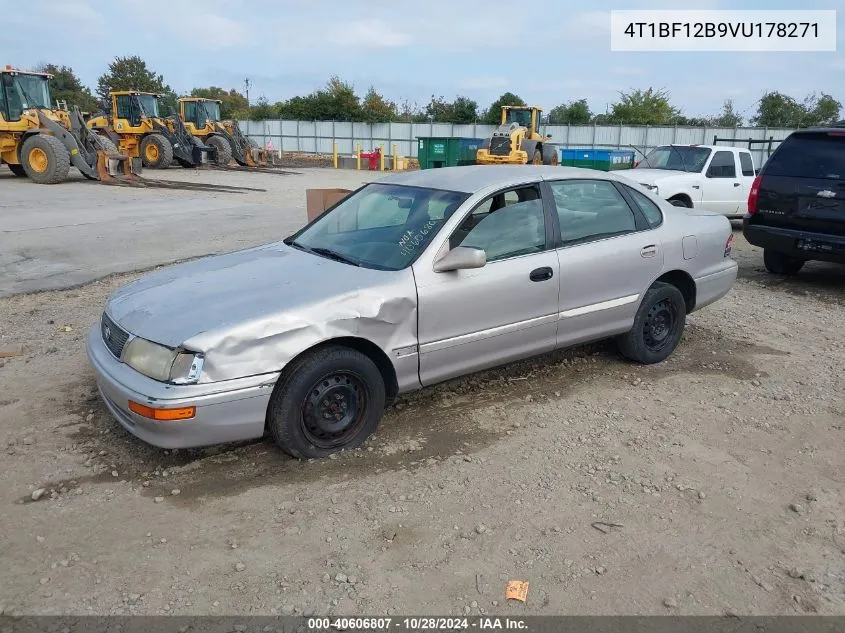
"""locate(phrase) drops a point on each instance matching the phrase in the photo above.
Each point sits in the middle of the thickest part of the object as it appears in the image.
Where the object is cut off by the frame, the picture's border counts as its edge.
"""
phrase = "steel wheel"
(334, 409)
(659, 325)
(151, 152)
(38, 160)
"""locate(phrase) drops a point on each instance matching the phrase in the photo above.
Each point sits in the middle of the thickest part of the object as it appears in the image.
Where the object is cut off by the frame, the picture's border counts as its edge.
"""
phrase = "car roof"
(472, 178)
(839, 129)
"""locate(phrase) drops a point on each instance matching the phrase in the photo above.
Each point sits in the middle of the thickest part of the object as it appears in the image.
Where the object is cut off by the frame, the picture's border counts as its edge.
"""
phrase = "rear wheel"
(223, 149)
(18, 170)
(549, 155)
(45, 160)
(538, 157)
(658, 325)
(329, 400)
(156, 152)
(781, 263)
(680, 202)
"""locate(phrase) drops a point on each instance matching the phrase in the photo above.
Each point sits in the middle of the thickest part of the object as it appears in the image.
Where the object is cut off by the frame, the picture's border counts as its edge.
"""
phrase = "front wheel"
(780, 263)
(550, 156)
(156, 151)
(538, 158)
(679, 202)
(658, 325)
(331, 399)
(45, 159)
(223, 150)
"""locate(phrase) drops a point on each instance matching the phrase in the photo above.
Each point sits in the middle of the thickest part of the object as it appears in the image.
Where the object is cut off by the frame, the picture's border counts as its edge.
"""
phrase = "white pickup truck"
(717, 178)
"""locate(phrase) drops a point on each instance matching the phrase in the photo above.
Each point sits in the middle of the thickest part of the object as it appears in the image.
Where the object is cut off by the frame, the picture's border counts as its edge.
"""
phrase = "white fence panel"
(320, 136)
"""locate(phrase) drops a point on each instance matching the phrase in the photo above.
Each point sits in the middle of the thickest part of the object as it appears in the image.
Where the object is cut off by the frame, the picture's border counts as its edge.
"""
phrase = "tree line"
(337, 100)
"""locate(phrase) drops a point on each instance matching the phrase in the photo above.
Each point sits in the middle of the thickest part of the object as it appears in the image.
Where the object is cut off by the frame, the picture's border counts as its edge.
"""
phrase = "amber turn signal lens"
(162, 415)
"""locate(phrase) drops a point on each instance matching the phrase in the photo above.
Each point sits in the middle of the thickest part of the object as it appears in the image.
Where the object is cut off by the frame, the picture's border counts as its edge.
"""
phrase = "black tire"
(538, 157)
(223, 149)
(679, 202)
(658, 325)
(781, 263)
(104, 143)
(346, 377)
(18, 170)
(156, 151)
(549, 155)
(54, 165)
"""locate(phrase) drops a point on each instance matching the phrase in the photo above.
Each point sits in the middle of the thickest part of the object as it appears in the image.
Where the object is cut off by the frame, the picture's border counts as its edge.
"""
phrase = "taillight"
(754, 194)
(729, 245)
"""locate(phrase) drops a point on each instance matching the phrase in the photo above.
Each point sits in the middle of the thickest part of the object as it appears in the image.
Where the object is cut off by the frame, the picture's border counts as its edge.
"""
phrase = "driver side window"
(507, 224)
(13, 99)
(124, 107)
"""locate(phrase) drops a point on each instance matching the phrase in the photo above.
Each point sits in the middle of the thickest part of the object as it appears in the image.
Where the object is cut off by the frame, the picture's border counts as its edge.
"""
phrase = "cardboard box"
(318, 200)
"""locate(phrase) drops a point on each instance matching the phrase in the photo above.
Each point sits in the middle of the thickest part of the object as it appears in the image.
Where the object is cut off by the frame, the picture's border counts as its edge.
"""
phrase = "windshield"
(209, 110)
(30, 91)
(679, 157)
(810, 155)
(520, 117)
(380, 226)
(149, 105)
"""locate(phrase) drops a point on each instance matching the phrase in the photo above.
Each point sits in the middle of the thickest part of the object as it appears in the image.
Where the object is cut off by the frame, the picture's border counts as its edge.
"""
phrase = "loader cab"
(524, 116)
(133, 107)
(196, 113)
(20, 91)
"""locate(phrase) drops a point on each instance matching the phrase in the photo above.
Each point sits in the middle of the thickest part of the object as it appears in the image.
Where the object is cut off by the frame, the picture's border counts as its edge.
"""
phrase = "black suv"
(796, 206)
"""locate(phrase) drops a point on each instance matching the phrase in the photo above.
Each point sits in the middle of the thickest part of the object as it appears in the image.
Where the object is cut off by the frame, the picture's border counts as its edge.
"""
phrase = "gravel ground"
(709, 484)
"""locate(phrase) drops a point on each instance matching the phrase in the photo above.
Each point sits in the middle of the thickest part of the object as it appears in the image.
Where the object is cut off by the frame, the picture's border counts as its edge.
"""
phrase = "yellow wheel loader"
(201, 118)
(133, 122)
(517, 141)
(41, 143)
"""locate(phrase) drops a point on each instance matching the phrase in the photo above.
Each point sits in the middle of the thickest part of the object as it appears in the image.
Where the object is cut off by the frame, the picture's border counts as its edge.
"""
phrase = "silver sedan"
(414, 279)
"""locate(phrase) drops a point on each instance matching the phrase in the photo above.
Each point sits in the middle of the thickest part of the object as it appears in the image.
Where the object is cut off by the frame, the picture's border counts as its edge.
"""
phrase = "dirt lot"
(722, 469)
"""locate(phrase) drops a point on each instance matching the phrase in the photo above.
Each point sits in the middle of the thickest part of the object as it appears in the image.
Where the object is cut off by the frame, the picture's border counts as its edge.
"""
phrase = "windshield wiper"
(327, 252)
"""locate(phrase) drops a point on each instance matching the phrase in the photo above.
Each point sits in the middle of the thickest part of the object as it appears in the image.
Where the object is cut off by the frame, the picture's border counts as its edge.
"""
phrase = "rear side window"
(746, 164)
(816, 155)
(650, 210)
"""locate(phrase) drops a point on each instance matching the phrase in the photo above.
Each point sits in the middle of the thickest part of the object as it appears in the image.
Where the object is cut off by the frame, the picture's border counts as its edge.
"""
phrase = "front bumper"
(484, 157)
(786, 241)
(227, 411)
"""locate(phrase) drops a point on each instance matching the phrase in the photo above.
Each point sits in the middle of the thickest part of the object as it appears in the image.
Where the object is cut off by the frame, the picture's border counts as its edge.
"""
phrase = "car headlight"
(162, 363)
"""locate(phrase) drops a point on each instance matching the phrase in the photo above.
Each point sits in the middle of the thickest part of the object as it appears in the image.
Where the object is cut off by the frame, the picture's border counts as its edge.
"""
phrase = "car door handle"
(736, 184)
(648, 251)
(696, 187)
(541, 274)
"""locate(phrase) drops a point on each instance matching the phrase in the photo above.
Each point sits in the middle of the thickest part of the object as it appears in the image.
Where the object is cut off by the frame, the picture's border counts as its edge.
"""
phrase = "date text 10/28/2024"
(415, 624)
(726, 31)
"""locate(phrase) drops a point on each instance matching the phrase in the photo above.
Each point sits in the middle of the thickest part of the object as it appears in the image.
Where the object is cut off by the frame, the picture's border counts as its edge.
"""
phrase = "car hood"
(654, 175)
(256, 292)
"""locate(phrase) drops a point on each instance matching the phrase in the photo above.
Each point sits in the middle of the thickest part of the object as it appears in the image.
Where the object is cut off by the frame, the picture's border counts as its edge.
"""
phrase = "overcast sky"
(547, 51)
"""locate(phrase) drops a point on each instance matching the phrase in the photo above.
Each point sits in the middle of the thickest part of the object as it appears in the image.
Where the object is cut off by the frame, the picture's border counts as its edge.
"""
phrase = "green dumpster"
(446, 151)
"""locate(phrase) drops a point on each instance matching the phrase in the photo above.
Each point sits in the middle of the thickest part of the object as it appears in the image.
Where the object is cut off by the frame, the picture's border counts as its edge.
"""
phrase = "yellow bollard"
(358, 154)
(395, 158)
(381, 156)
(334, 154)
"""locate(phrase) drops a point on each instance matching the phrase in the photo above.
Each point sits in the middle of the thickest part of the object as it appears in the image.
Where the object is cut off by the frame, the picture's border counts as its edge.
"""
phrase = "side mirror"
(757, 172)
(460, 258)
(548, 136)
